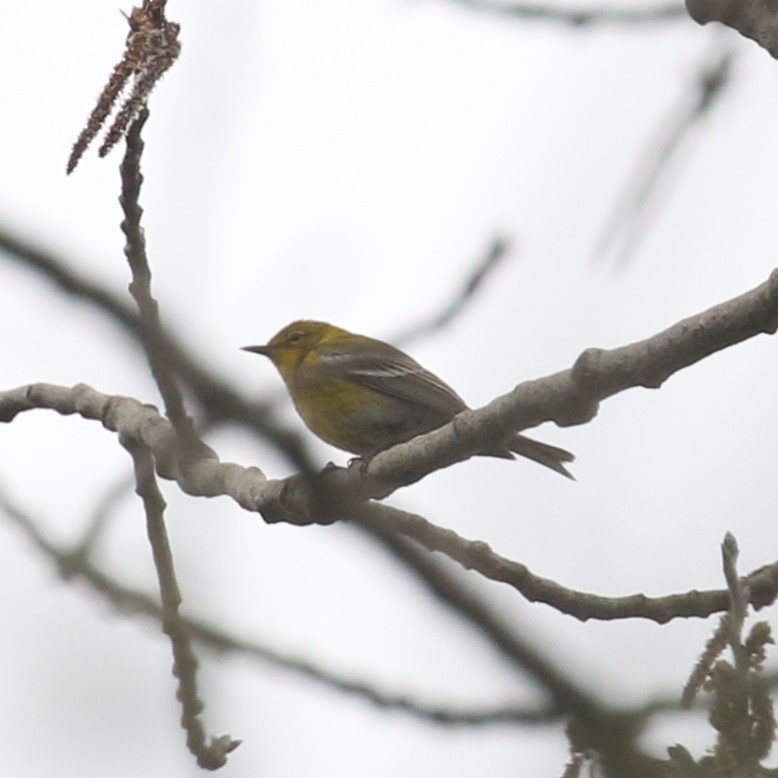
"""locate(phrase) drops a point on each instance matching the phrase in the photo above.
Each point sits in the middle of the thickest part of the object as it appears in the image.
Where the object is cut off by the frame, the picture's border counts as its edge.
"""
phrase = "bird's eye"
(295, 337)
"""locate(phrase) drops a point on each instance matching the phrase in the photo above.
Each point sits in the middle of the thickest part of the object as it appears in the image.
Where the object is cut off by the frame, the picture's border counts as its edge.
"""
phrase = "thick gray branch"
(568, 397)
(755, 19)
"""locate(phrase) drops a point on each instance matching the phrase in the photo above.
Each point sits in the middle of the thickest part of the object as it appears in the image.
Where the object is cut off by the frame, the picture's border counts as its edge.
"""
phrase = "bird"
(363, 395)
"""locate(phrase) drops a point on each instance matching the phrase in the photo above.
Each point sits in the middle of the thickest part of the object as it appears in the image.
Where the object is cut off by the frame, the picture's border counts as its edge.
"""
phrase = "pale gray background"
(351, 161)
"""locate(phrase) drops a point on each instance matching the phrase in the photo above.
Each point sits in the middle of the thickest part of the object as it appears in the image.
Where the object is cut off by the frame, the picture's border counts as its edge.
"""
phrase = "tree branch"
(498, 250)
(140, 289)
(580, 17)
(636, 204)
(755, 19)
(477, 555)
(567, 397)
(250, 489)
(212, 755)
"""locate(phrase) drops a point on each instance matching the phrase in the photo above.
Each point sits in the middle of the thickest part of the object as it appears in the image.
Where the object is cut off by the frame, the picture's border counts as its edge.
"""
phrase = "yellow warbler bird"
(363, 395)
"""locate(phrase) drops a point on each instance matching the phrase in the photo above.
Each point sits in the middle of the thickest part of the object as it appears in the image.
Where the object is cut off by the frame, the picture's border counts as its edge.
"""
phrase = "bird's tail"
(542, 453)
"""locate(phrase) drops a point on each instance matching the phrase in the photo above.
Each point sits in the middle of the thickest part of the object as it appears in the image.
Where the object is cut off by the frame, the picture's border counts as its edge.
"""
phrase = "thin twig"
(477, 555)
(140, 286)
(637, 202)
(498, 250)
(188, 444)
(213, 755)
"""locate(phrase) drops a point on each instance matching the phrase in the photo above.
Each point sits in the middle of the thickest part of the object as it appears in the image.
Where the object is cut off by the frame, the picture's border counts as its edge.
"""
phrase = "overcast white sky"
(351, 162)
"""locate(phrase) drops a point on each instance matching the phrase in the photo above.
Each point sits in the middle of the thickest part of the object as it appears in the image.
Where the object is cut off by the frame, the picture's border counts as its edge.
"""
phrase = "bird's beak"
(264, 350)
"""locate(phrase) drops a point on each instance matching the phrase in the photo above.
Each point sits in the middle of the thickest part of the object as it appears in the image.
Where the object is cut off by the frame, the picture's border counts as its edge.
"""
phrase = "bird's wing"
(388, 370)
